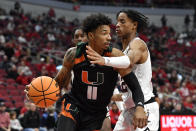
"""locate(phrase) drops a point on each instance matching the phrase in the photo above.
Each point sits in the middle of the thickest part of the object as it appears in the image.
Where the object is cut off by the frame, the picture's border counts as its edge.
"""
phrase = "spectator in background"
(187, 21)
(31, 120)
(17, 6)
(188, 102)
(164, 20)
(9, 50)
(4, 118)
(25, 74)
(114, 114)
(41, 64)
(2, 38)
(14, 122)
(177, 108)
(23, 69)
(173, 79)
(51, 68)
(49, 119)
(183, 91)
(51, 13)
(25, 108)
(12, 72)
(44, 71)
(78, 36)
(5, 63)
(166, 106)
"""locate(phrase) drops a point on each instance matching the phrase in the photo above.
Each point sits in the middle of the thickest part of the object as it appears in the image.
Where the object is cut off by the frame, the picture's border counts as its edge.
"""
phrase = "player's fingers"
(92, 54)
(25, 91)
(136, 123)
(89, 53)
(146, 121)
(27, 88)
(92, 57)
(141, 123)
(94, 62)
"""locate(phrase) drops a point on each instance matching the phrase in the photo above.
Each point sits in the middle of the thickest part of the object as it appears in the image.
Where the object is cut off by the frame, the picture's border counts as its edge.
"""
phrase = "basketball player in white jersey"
(137, 58)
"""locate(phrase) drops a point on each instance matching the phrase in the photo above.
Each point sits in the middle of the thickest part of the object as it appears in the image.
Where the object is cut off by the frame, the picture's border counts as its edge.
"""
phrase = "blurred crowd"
(30, 47)
(28, 118)
(138, 3)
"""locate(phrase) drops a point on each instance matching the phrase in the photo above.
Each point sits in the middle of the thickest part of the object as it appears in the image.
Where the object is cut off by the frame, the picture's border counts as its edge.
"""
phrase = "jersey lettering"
(100, 78)
(92, 88)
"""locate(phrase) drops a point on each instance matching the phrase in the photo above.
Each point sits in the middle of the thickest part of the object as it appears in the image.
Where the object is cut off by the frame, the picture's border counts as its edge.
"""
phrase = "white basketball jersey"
(143, 73)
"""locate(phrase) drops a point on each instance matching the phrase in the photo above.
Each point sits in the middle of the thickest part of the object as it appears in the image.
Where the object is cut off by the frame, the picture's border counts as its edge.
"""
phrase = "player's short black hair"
(136, 16)
(74, 30)
(92, 22)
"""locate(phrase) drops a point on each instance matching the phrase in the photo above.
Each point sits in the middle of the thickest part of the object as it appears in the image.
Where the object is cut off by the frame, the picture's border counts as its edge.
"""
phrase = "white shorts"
(125, 118)
(124, 122)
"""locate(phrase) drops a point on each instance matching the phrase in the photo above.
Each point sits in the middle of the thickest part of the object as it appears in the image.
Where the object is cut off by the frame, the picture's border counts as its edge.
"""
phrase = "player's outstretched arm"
(119, 62)
(140, 118)
(64, 75)
(135, 55)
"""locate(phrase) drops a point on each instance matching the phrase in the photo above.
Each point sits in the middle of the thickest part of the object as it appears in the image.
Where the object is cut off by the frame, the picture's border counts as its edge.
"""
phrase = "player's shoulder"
(71, 50)
(138, 41)
(70, 55)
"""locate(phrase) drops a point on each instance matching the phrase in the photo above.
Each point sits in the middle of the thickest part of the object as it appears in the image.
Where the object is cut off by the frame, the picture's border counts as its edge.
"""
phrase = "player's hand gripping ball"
(43, 91)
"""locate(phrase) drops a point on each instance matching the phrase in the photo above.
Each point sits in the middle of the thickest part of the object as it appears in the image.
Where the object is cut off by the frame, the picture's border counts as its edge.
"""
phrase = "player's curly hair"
(92, 22)
(142, 20)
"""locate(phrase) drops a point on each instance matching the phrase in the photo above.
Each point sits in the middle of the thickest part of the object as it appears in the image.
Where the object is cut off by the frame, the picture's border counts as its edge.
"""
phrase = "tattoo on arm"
(64, 75)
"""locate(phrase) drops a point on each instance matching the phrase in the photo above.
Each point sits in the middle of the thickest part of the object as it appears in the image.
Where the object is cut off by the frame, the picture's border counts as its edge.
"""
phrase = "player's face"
(125, 26)
(102, 37)
(79, 36)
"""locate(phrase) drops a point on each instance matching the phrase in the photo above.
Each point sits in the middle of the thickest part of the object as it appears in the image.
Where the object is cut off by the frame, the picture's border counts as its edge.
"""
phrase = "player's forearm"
(134, 86)
(117, 62)
(63, 79)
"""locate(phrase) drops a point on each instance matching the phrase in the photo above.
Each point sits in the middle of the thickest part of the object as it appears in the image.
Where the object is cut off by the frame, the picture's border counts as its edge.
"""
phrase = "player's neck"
(126, 40)
(98, 50)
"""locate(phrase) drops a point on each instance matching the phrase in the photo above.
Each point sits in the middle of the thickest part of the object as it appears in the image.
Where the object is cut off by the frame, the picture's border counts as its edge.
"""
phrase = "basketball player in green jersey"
(84, 107)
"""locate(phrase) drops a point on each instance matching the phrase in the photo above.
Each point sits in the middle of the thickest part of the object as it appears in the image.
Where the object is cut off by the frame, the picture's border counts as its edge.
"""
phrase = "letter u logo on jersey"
(100, 78)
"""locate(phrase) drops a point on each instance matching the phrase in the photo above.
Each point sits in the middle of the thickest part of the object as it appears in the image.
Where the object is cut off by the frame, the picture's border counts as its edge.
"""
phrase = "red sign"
(178, 123)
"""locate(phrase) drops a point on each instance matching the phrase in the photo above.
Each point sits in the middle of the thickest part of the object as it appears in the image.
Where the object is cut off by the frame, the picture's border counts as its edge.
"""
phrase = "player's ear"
(135, 24)
(90, 36)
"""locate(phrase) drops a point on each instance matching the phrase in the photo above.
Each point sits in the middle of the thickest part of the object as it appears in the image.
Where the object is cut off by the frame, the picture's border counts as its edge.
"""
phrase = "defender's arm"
(135, 55)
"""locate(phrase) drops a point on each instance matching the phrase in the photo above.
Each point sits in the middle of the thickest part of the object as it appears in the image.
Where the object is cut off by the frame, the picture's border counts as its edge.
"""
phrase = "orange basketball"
(43, 91)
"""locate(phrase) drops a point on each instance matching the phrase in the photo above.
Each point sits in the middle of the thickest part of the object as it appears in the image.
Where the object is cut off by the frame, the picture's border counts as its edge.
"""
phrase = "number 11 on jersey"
(92, 92)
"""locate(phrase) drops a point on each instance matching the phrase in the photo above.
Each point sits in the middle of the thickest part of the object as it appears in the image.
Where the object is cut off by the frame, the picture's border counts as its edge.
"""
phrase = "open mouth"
(107, 44)
(117, 31)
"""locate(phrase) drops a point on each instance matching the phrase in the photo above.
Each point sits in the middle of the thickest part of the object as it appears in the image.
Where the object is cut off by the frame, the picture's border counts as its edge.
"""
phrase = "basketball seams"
(35, 88)
(49, 85)
(44, 100)
(43, 92)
